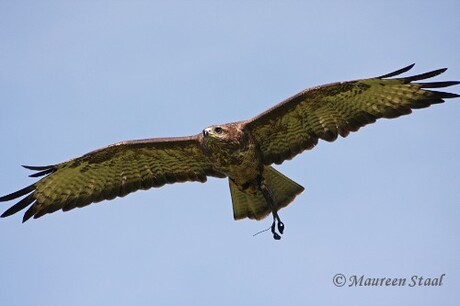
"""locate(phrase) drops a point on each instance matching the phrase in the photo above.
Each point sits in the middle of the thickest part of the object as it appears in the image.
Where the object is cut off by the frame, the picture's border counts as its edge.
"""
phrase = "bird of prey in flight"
(243, 151)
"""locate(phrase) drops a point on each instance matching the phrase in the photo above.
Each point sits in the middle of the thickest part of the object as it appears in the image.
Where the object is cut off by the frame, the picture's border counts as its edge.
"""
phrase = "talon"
(276, 236)
(267, 193)
(280, 227)
(280, 224)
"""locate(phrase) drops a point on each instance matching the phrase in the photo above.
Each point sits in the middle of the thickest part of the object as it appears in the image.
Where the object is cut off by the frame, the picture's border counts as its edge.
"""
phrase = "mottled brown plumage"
(242, 151)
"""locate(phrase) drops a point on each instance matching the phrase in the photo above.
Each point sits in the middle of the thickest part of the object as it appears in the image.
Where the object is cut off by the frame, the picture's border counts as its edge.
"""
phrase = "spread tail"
(254, 206)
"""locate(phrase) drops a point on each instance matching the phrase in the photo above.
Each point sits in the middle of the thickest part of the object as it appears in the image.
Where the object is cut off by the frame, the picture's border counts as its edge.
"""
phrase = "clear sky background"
(384, 202)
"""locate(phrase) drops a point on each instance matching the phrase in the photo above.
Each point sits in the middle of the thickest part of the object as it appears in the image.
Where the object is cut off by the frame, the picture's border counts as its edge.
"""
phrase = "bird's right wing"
(113, 171)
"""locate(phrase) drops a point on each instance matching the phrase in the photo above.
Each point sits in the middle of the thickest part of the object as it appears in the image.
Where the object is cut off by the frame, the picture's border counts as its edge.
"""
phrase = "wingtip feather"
(38, 168)
(446, 95)
(29, 213)
(425, 75)
(18, 193)
(397, 72)
(19, 206)
(438, 84)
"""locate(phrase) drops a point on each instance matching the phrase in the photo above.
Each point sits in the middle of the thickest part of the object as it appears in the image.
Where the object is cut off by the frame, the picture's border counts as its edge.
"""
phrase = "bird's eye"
(218, 130)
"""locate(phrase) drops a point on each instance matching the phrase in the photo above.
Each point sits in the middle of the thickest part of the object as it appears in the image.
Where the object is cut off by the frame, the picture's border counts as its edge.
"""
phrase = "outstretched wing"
(113, 171)
(327, 111)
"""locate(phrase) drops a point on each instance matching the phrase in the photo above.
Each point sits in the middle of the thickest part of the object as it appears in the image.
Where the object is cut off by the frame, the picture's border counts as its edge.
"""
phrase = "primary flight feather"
(242, 151)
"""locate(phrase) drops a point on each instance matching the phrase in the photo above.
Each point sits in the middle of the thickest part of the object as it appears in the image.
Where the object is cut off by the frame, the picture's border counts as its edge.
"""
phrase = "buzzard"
(243, 151)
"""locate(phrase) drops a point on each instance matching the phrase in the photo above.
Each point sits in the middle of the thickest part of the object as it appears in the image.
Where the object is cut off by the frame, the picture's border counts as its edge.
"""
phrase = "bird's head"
(215, 133)
(227, 134)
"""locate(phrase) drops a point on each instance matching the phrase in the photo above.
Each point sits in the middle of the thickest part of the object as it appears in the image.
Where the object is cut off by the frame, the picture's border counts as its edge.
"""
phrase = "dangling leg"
(268, 195)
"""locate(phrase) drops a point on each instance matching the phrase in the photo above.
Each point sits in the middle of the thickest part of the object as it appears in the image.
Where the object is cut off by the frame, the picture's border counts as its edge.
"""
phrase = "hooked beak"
(206, 132)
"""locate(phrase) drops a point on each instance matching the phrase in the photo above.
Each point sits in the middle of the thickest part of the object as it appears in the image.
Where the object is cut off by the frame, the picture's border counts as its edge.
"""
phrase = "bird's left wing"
(113, 171)
(324, 112)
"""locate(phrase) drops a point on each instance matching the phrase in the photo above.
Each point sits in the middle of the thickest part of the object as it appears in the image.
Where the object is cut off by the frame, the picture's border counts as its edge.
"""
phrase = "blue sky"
(384, 202)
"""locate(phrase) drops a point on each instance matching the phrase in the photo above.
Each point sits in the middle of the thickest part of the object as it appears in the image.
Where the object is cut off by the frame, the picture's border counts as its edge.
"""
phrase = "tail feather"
(254, 206)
